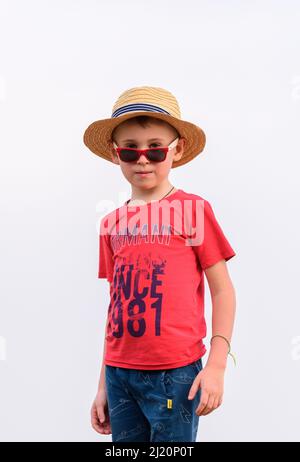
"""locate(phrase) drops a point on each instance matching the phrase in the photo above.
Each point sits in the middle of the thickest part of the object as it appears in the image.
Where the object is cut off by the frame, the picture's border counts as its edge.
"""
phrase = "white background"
(234, 69)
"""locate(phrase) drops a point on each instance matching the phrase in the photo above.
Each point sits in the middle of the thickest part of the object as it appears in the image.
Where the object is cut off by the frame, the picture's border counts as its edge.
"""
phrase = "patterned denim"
(152, 405)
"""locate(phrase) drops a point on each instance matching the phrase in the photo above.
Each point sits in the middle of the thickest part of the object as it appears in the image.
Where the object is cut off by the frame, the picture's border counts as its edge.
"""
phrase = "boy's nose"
(143, 159)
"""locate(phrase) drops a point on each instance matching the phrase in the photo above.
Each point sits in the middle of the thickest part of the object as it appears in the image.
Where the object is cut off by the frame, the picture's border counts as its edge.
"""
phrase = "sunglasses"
(153, 154)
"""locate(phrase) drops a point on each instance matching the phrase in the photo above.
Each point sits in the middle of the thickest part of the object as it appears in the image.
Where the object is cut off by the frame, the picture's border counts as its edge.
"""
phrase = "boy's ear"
(179, 149)
(183, 141)
(113, 154)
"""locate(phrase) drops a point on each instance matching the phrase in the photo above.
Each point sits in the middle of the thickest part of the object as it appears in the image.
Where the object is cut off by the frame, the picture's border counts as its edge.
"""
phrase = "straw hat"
(152, 101)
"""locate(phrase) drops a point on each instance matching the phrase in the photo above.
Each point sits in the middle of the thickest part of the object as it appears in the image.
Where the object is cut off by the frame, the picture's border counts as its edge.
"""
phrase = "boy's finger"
(101, 414)
(96, 416)
(203, 402)
(209, 406)
(96, 425)
(215, 406)
(193, 390)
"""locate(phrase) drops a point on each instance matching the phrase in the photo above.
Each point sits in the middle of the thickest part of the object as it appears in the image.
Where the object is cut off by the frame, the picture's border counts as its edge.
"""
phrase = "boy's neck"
(149, 195)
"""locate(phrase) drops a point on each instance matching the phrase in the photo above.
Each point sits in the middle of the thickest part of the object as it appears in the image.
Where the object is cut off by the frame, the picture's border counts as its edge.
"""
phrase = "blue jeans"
(152, 405)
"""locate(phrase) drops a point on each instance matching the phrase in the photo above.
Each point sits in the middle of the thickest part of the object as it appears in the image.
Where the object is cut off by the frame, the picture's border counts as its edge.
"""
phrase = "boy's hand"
(99, 411)
(211, 381)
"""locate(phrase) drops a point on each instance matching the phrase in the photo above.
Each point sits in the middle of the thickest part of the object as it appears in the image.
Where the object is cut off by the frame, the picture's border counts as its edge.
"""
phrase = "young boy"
(153, 386)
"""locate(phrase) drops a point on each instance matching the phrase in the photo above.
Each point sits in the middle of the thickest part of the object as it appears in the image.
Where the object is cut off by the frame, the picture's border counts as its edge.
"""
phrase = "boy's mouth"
(143, 173)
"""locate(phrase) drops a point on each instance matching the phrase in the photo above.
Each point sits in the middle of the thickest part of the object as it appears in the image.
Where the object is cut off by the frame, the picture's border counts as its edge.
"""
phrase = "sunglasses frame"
(165, 149)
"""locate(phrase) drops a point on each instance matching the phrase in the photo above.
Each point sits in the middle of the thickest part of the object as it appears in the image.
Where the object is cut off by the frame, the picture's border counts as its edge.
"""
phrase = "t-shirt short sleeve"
(215, 246)
(106, 263)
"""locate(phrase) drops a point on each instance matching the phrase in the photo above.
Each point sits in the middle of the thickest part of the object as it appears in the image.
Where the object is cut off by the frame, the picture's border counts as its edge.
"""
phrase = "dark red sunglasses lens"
(128, 155)
(154, 155)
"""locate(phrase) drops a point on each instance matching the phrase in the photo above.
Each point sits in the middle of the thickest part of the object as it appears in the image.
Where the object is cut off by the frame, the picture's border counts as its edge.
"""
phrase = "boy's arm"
(101, 385)
(223, 312)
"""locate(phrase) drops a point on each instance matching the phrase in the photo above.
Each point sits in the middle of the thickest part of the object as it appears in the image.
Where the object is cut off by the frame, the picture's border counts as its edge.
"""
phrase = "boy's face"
(152, 136)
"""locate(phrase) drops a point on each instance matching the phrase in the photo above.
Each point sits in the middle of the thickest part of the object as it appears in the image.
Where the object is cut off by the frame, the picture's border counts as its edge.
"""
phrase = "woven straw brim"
(98, 134)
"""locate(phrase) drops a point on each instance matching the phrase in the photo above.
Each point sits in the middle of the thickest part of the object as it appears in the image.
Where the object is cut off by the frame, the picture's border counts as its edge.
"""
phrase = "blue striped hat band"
(138, 107)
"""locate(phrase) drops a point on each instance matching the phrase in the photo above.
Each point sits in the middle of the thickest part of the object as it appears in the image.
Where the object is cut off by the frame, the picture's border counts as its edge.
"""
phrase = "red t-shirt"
(154, 255)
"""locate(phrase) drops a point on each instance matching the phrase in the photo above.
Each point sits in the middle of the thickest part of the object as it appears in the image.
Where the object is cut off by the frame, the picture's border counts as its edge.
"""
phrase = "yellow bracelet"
(231, 354)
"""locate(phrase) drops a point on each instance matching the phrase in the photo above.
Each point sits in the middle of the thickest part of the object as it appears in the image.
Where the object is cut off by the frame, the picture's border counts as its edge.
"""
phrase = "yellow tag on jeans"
(169, 404)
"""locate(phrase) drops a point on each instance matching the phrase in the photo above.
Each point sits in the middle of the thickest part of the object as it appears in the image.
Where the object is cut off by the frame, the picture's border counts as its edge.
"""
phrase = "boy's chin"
(144, 185)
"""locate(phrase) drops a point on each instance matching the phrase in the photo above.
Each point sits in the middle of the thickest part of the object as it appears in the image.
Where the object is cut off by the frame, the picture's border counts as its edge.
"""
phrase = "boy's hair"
(145, 120)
